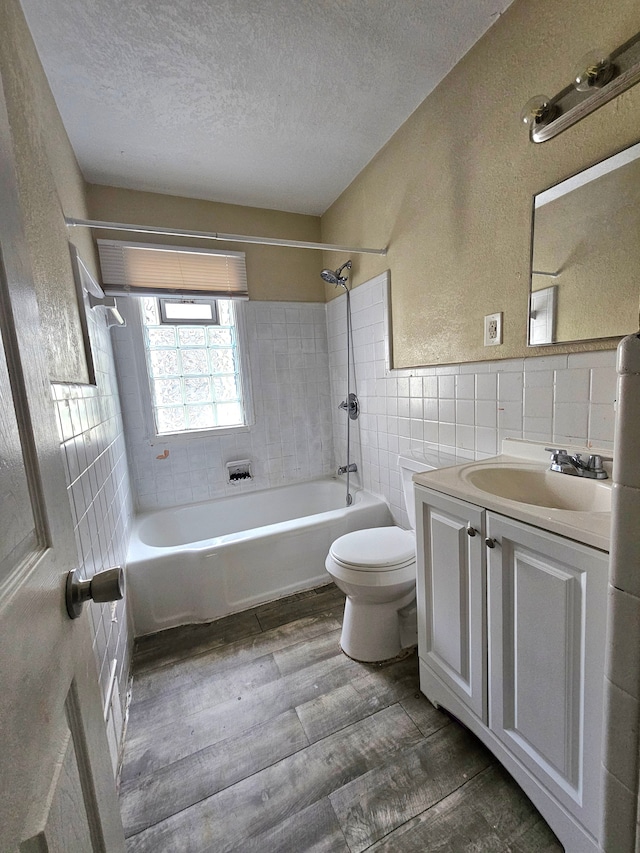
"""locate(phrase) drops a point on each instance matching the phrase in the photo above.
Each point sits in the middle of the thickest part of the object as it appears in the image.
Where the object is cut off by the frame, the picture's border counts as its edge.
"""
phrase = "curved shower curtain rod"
(214, 235)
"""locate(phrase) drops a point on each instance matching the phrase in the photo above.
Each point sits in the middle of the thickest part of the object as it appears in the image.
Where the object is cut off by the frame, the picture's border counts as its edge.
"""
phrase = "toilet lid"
(376, 549)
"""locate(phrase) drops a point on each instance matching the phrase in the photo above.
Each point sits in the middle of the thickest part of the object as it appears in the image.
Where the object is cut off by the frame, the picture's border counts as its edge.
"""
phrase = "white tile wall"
(622, 686)
(465, 409)
(292, 435)
(94, 457)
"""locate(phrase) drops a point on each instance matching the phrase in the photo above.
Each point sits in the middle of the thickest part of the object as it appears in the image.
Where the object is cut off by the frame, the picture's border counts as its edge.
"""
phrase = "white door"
(58, 791)
(450, 591)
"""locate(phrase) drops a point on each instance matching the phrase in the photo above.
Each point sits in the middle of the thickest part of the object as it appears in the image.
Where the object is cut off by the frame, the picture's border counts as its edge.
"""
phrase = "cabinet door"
(547, 617)
(451, 594)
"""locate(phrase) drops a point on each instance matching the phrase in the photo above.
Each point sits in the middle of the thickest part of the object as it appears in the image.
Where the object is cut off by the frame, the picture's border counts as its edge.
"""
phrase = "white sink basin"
(519, 484)
(543, 488)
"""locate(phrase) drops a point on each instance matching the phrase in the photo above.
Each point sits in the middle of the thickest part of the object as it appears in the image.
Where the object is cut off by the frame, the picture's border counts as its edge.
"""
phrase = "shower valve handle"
(351, 405)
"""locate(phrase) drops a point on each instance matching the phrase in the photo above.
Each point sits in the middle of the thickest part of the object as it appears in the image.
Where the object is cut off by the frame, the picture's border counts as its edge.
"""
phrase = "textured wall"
(451, 192)
(273, 273)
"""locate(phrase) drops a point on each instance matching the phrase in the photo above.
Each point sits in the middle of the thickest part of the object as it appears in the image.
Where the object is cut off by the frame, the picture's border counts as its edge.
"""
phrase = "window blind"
(156, 270)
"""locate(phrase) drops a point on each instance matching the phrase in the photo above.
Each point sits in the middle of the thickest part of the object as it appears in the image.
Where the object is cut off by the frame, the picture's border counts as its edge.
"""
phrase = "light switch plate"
(493, 329)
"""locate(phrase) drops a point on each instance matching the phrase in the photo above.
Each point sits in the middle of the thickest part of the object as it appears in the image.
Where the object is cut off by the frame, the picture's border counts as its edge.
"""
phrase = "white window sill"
(191, 435)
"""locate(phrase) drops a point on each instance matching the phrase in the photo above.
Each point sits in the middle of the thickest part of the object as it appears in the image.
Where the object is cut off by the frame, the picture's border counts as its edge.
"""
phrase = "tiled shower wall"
(464, 409)
(94, 457)
(291, 438)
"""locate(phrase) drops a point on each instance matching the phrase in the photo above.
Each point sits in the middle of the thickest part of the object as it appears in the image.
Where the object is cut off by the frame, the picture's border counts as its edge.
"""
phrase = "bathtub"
(200, 562)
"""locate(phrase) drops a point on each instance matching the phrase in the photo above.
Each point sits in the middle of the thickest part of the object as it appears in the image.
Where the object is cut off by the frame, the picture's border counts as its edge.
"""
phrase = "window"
(194, 368)
(189, 311)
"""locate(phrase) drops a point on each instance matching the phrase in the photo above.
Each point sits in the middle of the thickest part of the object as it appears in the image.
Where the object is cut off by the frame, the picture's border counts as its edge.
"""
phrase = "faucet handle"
(556, 452)
(595, 461)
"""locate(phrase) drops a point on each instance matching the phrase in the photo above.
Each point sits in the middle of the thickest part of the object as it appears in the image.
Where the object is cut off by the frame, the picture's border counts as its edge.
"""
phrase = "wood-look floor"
(255, 733)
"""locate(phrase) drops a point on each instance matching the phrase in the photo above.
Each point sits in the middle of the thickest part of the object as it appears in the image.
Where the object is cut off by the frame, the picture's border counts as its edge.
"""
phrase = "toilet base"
(403, 654)
(372, 633)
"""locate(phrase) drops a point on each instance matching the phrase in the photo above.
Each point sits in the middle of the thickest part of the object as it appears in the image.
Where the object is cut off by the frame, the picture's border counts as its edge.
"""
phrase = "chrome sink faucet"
(576, 465)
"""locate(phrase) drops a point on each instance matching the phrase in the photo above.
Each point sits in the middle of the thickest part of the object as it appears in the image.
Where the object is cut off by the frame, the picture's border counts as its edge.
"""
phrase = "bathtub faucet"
(351, 469)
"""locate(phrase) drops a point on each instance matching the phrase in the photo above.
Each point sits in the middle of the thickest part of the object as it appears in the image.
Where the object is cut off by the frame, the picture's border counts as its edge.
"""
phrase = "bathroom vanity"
(512, 599)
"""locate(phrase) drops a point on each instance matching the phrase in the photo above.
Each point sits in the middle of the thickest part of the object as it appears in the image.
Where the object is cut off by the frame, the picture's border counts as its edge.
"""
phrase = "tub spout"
(343, 469)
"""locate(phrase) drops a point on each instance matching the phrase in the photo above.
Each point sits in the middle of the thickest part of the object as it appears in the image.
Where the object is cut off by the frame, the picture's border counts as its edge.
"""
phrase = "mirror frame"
(572, 182)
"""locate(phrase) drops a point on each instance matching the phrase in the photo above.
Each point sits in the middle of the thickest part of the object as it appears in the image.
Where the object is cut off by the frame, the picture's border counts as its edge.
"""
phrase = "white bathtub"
(201, 562)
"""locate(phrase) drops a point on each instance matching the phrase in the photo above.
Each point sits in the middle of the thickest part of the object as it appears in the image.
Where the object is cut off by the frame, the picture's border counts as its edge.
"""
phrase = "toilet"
(376, 569)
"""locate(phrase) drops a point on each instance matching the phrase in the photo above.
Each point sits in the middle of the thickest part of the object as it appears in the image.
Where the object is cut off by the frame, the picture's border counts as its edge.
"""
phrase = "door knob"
(103, 586)
(471, 531)
(490, 543)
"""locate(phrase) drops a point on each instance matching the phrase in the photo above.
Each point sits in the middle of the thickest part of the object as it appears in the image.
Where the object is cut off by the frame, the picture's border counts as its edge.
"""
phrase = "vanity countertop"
(589, 526)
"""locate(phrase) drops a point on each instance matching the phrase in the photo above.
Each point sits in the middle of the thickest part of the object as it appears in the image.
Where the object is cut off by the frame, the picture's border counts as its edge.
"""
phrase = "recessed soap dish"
(238, 471)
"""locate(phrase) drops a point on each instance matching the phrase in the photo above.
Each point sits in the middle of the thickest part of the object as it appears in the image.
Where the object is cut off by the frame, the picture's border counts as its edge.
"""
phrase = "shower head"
(329, 276)
(334, 277)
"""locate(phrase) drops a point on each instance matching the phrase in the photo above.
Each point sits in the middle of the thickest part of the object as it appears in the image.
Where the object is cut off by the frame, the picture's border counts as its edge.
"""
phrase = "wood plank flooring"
(255, 733)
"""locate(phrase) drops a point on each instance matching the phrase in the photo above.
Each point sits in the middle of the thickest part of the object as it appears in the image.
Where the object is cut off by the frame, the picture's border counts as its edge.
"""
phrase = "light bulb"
(594, 71)
(538, 111)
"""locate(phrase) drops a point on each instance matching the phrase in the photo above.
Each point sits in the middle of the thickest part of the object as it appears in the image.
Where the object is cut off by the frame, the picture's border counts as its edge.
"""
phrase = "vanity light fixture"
(598, 79)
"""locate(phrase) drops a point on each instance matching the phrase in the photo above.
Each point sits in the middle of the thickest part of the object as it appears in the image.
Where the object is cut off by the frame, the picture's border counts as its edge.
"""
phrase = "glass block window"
(194, 371)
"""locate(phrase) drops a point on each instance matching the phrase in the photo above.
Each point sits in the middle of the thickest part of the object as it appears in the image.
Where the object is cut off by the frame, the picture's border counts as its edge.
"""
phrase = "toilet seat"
(379, 549)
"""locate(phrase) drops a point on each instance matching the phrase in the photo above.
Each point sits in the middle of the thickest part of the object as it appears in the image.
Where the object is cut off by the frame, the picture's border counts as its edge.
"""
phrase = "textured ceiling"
(270, 103)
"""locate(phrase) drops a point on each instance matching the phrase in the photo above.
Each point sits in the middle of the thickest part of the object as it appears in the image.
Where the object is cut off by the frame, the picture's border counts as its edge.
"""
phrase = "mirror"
(586, 254)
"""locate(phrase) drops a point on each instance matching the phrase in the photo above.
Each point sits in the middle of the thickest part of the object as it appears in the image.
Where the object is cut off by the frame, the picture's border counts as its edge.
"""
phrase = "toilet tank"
(414, 462)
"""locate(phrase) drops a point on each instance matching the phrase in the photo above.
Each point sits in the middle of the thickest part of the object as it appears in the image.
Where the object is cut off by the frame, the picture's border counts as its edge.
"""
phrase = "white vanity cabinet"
(511, 640)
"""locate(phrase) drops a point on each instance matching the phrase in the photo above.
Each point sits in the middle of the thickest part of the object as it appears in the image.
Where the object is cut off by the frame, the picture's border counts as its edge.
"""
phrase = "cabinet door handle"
(490, 543)
(471, 531)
